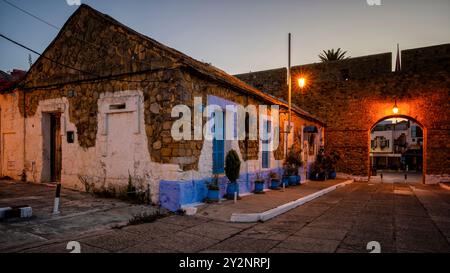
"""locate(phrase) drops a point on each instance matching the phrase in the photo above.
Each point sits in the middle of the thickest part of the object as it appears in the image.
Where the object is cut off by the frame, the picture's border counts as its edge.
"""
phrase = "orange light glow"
(395, 109)
(301, 82)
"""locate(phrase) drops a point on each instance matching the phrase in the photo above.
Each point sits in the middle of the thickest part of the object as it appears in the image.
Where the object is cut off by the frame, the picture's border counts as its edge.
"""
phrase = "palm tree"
(331, 55)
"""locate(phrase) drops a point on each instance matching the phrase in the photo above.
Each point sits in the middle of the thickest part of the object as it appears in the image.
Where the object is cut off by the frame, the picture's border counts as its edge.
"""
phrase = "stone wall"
(350, 107)
(426, 58)
(11, 129)
(270, 81)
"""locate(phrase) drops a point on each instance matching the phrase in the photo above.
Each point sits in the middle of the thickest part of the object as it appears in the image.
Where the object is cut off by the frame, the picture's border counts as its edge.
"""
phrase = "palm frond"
(332, 55)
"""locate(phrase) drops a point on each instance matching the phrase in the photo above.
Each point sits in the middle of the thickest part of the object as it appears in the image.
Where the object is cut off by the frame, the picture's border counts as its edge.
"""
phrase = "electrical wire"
(80, 70)
(58, 28)
(30, 14)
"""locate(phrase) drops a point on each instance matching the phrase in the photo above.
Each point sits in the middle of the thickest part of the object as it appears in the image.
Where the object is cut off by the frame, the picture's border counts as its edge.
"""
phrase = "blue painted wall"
(174, 194)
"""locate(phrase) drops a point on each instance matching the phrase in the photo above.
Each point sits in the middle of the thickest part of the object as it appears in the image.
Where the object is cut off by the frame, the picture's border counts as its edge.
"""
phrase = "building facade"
(351, 96)
(96, 112)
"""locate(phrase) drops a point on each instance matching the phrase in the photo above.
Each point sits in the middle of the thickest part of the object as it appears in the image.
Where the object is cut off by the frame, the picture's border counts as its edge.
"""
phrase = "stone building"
(95, 112)
(351, 96)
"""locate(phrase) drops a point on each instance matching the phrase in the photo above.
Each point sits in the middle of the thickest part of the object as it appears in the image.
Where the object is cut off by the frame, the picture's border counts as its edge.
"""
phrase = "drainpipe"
(24, 174)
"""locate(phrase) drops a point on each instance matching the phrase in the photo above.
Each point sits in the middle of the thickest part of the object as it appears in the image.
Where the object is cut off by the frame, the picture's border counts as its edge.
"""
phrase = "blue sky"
(239, 36)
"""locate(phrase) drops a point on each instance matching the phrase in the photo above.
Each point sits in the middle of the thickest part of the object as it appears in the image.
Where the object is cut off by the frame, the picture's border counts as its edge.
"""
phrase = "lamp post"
(289, 88)
(301, 84)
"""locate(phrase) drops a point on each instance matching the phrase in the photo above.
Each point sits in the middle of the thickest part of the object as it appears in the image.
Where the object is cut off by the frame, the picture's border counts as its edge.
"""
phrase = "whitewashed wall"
(121, 146)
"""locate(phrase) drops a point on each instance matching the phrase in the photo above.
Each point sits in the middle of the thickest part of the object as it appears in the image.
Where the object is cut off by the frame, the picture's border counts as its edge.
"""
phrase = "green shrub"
(232, 166)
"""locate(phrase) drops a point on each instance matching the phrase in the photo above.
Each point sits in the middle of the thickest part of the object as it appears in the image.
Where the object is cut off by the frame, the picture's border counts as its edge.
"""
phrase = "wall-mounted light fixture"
(71, 93)
(395, 108)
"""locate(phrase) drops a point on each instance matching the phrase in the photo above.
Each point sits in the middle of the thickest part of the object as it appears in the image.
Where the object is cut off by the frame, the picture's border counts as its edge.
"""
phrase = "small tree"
(293, 161)
(332, 55)
(232, 166)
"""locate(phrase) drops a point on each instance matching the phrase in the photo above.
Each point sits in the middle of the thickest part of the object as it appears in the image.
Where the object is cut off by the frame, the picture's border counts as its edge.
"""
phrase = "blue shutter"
(265, 159)
(413, 131)
(219, 150)
(265, 146)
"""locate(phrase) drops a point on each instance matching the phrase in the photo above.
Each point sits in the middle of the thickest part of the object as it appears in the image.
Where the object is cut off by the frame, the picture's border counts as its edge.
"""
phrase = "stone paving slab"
(113, 241)
(245, 244)
(186, 242)
(213, 230)
(323, 225)
(80, 213)
(310, 245)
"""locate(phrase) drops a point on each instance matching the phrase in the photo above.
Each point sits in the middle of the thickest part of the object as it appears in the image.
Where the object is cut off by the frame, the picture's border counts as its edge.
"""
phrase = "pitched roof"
(207, 69)
(200, 67)
(5, 76)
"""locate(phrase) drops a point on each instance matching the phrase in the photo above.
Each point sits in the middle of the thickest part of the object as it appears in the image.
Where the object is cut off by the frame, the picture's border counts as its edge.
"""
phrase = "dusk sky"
(246, 35)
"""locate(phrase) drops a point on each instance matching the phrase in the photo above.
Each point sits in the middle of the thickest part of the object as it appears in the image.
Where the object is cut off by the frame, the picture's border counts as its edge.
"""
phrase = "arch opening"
(396, 150)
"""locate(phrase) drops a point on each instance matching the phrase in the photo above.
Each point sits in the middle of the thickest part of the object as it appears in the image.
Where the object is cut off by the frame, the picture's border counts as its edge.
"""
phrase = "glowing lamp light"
(395, 108)
(301, 82)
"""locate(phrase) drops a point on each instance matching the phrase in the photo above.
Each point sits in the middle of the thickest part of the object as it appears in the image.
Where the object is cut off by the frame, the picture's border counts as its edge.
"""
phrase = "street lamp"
(395, 108)
(301, 82)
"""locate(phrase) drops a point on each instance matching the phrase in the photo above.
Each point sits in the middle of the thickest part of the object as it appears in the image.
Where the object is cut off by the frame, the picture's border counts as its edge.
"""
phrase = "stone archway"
(423, 143)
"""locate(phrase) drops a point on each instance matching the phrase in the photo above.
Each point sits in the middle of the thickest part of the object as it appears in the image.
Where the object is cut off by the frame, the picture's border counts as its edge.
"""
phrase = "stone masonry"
(352, 95)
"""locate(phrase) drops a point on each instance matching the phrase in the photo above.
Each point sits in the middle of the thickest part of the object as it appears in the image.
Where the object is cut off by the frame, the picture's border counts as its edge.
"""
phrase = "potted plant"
(213, 190)
(319, 167)
(274, 181)
(259, 184)
(285, 177)
(232, 170)
(333, 159)
(292, 163)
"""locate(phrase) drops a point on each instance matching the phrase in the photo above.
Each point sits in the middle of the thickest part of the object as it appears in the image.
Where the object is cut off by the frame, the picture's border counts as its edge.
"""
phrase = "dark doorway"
(55, 148)
(52, 157)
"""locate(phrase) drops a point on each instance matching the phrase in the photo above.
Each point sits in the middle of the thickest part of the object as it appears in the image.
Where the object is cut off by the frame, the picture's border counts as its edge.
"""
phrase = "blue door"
(219, 145)
(266, 145)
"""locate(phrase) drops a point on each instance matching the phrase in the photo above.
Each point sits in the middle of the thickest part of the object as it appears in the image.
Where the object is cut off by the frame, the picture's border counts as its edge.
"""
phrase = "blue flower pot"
(332, 175)
(275, 184)
(292, 180)
(213, 195)
(231, 189)
(259, 187)
(285, 181)
(321, 176)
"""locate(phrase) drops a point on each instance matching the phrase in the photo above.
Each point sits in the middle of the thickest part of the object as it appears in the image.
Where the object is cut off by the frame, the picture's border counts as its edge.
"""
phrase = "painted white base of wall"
(22, 212)
(269, 214)
(435, 179)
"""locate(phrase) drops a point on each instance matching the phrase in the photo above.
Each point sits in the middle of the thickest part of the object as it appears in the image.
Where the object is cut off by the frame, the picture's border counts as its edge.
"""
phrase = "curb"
(445, 186)
(16, 212)
(269, 214)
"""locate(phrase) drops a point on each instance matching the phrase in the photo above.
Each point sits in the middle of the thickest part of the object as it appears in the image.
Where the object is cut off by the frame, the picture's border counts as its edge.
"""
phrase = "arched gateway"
(397, 145)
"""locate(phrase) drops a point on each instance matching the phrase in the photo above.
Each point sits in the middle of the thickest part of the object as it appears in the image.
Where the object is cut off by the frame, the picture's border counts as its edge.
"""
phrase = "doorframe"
(52, 174)
(424, 146)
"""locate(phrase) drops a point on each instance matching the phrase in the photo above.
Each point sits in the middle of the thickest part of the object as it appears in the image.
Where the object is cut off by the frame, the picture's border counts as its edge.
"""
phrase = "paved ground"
(80, 213)
(402, 218)
(397, 177)
(256, 203)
